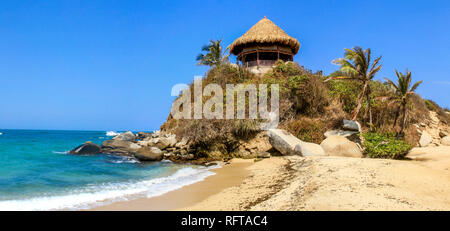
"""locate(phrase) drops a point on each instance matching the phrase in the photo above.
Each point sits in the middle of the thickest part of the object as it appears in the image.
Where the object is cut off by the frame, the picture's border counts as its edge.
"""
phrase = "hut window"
(250, 57)
(268, 56)
(285, 57)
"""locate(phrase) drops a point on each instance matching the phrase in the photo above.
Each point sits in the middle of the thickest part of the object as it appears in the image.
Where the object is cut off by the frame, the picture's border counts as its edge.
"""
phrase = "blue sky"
(110, 65)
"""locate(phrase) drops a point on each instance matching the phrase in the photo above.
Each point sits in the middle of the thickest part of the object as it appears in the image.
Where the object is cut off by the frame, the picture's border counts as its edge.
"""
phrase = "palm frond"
(390, 82)
(415, 86)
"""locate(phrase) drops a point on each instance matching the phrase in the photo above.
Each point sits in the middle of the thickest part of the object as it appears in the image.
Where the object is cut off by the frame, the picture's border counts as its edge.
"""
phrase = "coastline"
(228, 175)
(314, 183)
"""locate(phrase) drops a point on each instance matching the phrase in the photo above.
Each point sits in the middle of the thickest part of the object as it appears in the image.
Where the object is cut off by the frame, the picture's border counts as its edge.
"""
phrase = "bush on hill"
(378, 145)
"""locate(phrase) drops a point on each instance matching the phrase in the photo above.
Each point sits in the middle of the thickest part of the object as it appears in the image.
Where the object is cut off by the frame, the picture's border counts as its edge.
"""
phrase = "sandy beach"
(315, 183)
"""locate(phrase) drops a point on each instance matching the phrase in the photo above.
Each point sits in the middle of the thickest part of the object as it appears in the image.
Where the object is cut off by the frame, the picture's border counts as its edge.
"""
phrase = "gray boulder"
(127, 136)
(86, 148)
(183, 143)
(283, 141)
(120, 147)
(149, 154)
(340, 146)
(309, 149)
(144, 143)
(446, 141)
(351, 125)
(166, 142)
(425, 139)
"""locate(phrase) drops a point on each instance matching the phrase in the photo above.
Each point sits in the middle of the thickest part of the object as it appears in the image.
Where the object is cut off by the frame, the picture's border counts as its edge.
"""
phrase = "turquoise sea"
(37, 173)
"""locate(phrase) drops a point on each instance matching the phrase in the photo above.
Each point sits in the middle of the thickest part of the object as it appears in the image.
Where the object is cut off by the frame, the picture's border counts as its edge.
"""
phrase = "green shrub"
(384, 146)
(346, 92)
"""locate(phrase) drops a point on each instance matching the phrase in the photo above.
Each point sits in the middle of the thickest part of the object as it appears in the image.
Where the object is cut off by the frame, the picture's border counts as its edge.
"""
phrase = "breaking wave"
(106, 193)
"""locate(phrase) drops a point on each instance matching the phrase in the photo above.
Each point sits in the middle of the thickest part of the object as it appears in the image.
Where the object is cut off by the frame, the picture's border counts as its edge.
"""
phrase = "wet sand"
(228, 175)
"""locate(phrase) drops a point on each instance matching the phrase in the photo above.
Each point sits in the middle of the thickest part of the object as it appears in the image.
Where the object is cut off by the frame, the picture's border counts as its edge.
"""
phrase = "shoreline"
(293, 183)
(228, 175)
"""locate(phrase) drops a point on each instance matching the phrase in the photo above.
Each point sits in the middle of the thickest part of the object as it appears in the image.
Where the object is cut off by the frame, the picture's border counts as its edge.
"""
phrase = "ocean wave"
(123, 159)
(96, 195)
(1, 133)
(56, 152)
(112, 133)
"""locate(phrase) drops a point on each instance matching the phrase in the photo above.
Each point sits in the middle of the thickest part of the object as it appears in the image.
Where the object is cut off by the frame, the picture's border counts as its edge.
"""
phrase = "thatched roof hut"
(261, 46)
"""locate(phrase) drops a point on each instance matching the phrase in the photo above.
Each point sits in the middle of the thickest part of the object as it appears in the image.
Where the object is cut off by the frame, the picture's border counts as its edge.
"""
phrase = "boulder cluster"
(143, 146)
(337, 143)
(157, 146)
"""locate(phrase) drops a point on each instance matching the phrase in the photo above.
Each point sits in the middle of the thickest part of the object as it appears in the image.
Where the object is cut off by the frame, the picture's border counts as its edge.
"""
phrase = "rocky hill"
(312, 115)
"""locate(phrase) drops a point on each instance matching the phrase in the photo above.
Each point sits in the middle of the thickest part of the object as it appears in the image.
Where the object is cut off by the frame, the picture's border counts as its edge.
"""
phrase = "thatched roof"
(265, 31)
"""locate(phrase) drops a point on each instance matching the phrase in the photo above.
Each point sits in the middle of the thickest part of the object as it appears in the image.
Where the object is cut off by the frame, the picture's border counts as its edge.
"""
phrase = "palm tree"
(214, 55)
(403, 91)
(356, 65)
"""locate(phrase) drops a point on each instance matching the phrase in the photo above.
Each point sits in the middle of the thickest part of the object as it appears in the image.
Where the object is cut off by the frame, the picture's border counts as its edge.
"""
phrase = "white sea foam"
(65, 152)
(112, 133)
(96, 195)
(124, 159)
(1, 133)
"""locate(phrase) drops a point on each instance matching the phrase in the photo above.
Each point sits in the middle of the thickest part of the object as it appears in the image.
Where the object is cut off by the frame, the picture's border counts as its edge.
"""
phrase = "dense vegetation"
(384, 146)
(311, 104)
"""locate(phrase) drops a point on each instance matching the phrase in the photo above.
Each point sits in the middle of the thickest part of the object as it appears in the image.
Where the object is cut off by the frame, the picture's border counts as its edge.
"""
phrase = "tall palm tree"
(214, 55)
(356, 65)
(403, 91)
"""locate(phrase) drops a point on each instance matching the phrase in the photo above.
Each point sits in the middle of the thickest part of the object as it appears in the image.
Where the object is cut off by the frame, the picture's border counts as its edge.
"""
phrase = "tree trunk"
(359, 102)
(369, 105)
(397, 114)
(404, 117)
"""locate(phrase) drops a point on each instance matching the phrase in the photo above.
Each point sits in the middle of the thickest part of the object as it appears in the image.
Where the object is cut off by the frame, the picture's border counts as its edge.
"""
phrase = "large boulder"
(127, 136)
(120, 147)
(86, 148)
(145, 143)
(149, 154)
(309, 149)
(425, 139)
(182, 144)
(351, 125)
(166, 142)
(340, 146)
(283, 141)
(446, 141)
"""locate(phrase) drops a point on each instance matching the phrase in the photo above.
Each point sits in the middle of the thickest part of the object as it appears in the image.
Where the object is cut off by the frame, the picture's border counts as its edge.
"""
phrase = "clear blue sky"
(110, 65)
